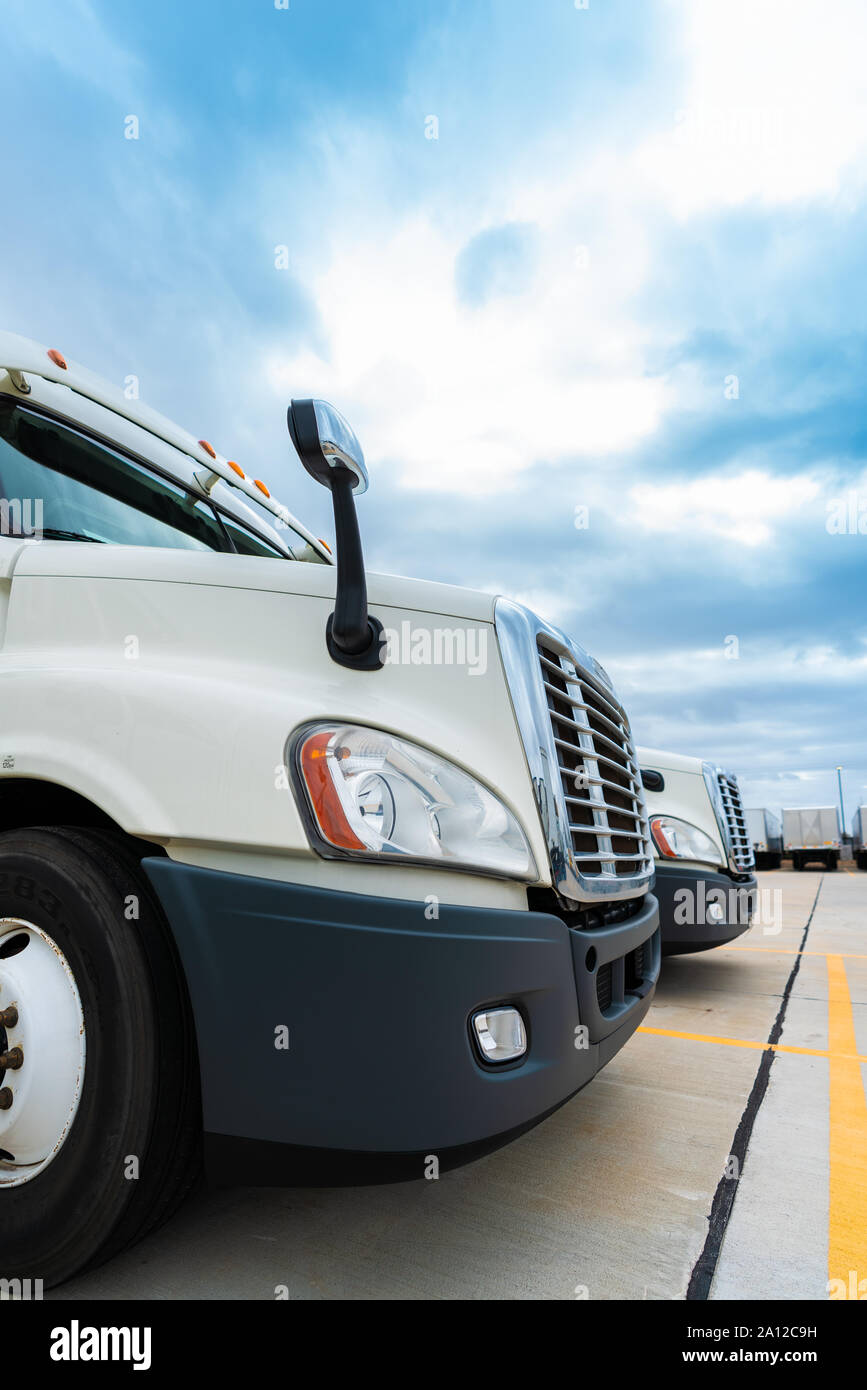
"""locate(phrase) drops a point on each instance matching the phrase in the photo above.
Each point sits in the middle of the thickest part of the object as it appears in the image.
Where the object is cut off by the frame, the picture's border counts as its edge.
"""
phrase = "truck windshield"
(63, 485)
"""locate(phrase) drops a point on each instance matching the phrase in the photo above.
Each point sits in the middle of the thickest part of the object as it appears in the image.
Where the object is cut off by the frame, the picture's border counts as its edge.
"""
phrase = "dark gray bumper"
(686, 918)
(377, 1001)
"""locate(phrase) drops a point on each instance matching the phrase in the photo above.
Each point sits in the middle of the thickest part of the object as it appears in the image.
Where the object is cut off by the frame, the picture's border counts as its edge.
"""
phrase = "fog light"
(500, 1034)
(716, 912)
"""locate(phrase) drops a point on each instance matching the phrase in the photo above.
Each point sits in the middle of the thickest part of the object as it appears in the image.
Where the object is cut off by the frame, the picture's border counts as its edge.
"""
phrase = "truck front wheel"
(99, 1103)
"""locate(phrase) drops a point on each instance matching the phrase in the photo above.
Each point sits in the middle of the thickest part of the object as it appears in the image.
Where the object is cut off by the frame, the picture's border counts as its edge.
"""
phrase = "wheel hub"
(42, 1050)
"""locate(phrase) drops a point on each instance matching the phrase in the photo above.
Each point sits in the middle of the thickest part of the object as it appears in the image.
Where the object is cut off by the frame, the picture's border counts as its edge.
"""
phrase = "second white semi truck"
(704, 879)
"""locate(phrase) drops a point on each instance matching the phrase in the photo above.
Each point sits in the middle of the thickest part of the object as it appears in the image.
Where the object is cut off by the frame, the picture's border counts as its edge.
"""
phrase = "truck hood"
(74, 559)
(668, 762)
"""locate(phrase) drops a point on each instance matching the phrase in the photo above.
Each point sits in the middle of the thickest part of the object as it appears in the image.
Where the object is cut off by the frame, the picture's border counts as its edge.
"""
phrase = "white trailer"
(766, 837)
(812, 834)
(859, 837)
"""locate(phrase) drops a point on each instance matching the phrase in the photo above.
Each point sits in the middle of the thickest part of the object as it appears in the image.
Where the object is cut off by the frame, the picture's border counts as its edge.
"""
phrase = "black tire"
(797, 862)
(862, 861)
(140, 1095)
(832, 863)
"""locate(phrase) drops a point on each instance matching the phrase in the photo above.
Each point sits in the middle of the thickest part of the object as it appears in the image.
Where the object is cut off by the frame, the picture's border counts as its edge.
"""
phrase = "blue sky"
(627, 275)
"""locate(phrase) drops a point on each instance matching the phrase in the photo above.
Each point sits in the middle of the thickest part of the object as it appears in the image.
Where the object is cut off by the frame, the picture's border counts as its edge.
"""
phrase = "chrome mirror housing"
(324, 442)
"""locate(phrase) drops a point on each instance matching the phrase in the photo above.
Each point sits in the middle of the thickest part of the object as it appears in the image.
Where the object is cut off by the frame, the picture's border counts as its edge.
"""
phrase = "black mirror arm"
(354, 638)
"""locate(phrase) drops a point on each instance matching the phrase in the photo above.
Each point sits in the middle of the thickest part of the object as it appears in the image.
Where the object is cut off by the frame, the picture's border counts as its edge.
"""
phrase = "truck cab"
(705, 880)
(306, 874)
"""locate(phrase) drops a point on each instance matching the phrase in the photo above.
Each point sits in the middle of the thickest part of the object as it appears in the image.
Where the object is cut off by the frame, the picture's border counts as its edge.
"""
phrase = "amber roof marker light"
(57, 358)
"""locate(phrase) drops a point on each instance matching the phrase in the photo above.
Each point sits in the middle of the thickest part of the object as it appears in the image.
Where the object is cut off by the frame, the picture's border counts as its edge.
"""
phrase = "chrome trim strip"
(730, 817)
(518, 633)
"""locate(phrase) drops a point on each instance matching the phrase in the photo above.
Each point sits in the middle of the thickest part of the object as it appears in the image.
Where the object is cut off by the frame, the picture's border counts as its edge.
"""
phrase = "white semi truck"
(705, 880)
(287, 882)
(766, 837)
(859, 837)
(812, 835)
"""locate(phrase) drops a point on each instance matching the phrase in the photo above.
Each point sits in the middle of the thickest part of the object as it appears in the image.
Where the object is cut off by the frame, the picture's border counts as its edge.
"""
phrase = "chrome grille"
(740, 846)
(598, 770)
(582, 761)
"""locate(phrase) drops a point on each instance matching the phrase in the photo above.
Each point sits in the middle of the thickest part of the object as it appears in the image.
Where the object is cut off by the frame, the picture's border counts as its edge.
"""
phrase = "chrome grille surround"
(725, 795)
(571, 722)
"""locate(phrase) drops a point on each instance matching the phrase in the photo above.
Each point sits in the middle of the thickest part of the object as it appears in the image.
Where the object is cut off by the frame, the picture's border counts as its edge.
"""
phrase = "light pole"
(840, 787)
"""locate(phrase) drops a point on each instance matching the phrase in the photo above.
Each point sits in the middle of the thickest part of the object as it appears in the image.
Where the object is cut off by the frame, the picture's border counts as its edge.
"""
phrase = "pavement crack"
(704, 1268)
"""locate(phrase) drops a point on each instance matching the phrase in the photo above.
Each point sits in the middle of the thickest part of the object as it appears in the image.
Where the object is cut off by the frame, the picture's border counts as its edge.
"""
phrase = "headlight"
(371, 795)
(677, 839)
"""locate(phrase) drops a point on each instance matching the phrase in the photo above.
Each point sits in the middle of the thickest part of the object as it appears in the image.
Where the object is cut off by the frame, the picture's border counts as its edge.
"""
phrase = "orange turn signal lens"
(325, 544)
(57, 358)
(236, 468)
(261, 486)
(208, 448)
(660, 838)
(313, 761)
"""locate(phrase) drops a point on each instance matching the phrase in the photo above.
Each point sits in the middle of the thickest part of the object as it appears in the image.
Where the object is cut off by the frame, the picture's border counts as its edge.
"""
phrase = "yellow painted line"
(785, 951)
(759, 1046)
(847, 1121)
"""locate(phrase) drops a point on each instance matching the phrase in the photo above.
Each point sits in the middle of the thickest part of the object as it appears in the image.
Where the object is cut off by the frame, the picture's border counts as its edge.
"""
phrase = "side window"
(249, 543)
(78, 488)
(246, 542)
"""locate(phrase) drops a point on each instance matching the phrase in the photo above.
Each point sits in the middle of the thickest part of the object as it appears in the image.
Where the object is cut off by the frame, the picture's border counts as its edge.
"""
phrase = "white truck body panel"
(228, 658)
(685, 796)
(143, 665)
(758, 830)
(811, 827)
(766, 832)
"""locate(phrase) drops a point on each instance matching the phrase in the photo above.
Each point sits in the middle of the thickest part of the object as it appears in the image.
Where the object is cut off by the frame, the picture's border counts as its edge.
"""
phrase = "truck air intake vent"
(604, 987)
(740, 845)
(581, 760)
(598, 771)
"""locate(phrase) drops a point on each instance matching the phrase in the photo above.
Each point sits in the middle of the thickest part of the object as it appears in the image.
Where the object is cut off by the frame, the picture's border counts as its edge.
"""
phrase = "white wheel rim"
(36, 979)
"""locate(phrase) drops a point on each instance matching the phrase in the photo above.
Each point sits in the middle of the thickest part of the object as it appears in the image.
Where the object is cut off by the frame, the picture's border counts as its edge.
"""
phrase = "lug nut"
(5, 1098)
(11, 1060)
(8, 1017)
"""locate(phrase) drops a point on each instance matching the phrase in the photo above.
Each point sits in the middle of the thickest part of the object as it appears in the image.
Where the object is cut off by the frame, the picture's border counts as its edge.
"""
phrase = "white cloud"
(708, 669)
(783, 743)
(464, 398)
(773, 107)
(744, 508)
